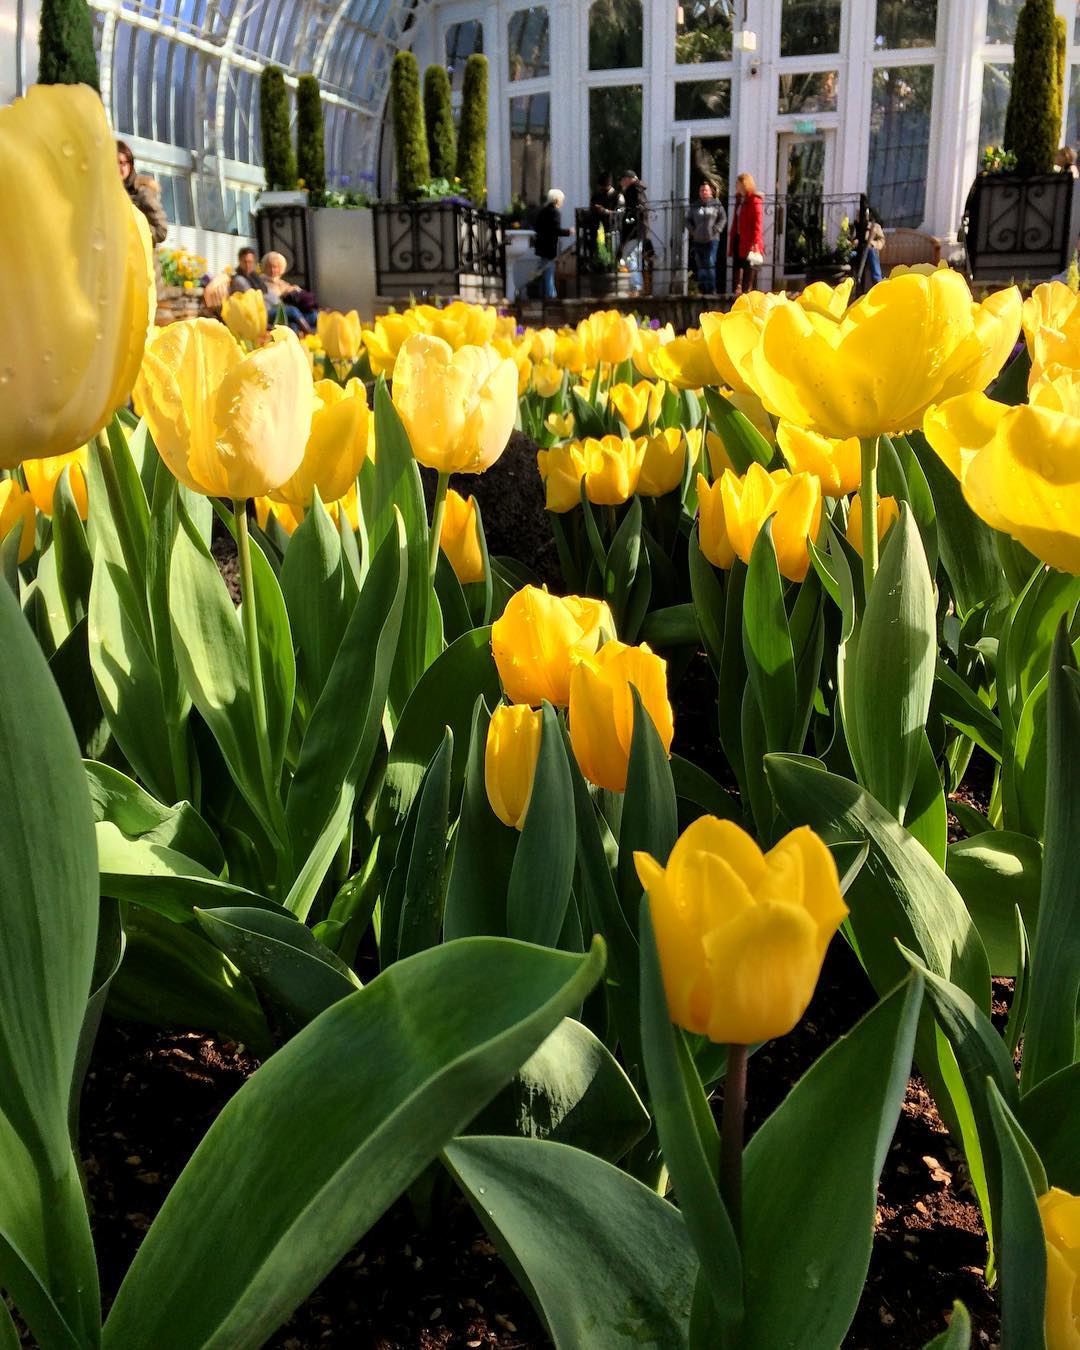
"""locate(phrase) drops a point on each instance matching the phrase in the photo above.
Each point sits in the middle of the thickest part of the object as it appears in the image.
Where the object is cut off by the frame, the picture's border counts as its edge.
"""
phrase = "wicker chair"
(909, 246)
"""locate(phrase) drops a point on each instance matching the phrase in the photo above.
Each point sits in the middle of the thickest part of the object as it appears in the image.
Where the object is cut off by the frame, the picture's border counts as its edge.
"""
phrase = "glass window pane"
(530, 147)
(528, 43)
(701, 99)
(615, 34)
(1001, 19)
(710, 161)
(900, 143)
(906, 23)
(1072, 133)
(812, 92)
(462, 41)
(702, 31)
(810, 27)
(995, 99)
(614, 131)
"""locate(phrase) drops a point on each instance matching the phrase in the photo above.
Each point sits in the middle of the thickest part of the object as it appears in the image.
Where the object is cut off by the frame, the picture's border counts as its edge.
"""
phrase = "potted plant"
(833, 264)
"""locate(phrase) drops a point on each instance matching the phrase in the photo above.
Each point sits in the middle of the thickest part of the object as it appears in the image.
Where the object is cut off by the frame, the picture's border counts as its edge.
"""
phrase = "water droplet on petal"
(67, 149)
(6, 375)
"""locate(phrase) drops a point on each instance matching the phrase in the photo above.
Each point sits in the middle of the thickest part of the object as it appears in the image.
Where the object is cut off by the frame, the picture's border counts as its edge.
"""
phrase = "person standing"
(547, 231)
(635, 227)
(706, 221)
(143, 192)
(746, 243)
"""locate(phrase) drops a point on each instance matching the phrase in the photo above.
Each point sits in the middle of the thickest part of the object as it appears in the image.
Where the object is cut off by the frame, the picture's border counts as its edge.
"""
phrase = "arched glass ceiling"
(181, 81)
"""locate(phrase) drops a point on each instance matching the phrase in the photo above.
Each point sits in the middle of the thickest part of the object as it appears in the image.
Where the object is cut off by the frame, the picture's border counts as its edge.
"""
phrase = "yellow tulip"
(541, 344)
(460, 538)
(1052, 305)
(458, 408)
(646, 343)
(560, 425)
(1019, 467)
(792, 500)
(569, 351)
(245, 315)
(460, 324)
(336, 446)
(887, 360)
(17, 508)
(836, 463)
(609, 336)
(612, 467)
(664, 463)
(732, 337)
(751, 407)
(602, 709)
(510, 755)
(719, 459)
(888, 513)
(636, 403)
(685, 362)
(741, 934)
(288, 516)
(1060, 1214)
(547, 378)
(383, 342)
(712, 524)
(340, 334)
(821, 298)
(538, 638)
(80, 254)
(42, 476)
(562, 468)
(227, 424)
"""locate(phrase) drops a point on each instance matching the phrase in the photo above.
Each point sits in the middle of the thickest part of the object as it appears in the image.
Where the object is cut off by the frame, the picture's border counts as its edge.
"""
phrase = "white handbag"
(754, 258)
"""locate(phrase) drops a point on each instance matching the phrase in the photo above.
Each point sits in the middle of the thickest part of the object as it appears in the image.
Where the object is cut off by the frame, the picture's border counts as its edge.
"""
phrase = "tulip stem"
(731, 1134)
(436, 523)
(868, 496)
(254, 658)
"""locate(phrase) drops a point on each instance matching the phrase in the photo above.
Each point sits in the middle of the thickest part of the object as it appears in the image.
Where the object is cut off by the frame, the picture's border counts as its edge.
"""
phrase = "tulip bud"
(17, 508)
(663, 464)
(792, 500)
(245, 315)
(646, 341)
(741, 935)
(83, 251)
(712, 526)
(1060, 1214)
(837, 464)
(226, 424)
(538, 638)
(635, 404)
(336, 445)
(42, 476)
(602, 709)
(612, 468)
(384, 341)
(888, 513)
(547, 378)
(608, 336)
(562, 469)
(460, 538)
(513, 746)
(339, 334)
(561, 425)
(685, 362)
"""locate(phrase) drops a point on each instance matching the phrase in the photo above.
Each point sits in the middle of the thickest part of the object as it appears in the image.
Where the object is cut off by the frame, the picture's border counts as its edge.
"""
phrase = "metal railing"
(439, 248)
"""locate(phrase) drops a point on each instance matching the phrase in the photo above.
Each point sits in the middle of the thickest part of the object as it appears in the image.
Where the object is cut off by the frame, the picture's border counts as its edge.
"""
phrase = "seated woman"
(299, 306)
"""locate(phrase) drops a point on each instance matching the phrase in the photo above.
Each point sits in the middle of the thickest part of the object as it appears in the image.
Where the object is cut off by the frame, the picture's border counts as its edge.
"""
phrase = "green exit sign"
(805, 126)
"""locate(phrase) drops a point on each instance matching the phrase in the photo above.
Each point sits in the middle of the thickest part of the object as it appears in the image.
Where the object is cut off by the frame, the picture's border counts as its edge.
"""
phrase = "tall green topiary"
(410, 142)
(472, 138)
(1033, 118)
(1062, 32)
(439, 120)
(66, 39)
(279, 162)
(310, 155)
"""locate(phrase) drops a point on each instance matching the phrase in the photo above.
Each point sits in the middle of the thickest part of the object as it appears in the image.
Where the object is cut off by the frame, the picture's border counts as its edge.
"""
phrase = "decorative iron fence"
(287, 230)
(426, 249)
(1021, 227)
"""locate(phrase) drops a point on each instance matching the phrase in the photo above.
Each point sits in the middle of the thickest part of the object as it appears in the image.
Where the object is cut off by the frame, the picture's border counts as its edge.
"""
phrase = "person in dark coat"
(547, 231)
(143, 192)
(635, 228)
(706, 220)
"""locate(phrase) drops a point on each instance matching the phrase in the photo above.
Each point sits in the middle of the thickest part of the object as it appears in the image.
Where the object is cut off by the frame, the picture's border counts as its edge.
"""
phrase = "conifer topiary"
(472, 136)
(279, 162)
(310, 155)
(410, 140)
(439, 120)
(1033, 118)
(66, 40)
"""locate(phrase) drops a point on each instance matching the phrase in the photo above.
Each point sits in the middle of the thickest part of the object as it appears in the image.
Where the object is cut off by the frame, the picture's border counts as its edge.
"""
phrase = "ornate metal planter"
(1020, 227)
(288, 230)
(439, 248)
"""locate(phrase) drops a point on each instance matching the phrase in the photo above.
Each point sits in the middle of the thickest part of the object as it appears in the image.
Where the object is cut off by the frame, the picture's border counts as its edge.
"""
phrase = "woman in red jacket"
(746, 243)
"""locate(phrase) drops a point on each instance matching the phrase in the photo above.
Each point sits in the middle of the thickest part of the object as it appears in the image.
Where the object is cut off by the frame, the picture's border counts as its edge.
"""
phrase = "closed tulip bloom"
(821, 298)
(336, 446)
(732, 337)
(42, 476)
(712, 524)
(1052, 305)
(513, 747)
(227, 423)
(81, 254)
(384, 340)
(635, 403)
(288, 516)
(608, 336)
(541, 344)
(664, 463)
(561, 425)
(461, 324)
(836, 463)
(888, 513)
(887, 360)
(17, 509)
(340, 334)
(245, 315)
(1060, 1214)
(569, 351)
(539, 637)
(792, 500)
(719, 459)
(685, 362)
(612, 467)
(562, 469)
(458, 408)
(646, 343)
(547, 378)
(741, 934)
(602, 709)
(460, 538)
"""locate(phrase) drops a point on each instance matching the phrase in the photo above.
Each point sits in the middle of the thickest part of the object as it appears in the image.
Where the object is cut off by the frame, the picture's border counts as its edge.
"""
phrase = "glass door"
(804, 164)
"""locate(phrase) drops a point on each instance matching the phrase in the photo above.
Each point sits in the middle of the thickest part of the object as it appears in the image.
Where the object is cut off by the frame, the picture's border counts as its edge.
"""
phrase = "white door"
(804, 185)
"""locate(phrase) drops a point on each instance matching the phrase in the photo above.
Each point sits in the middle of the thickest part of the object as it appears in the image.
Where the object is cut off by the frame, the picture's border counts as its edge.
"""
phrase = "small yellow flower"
(513, 747)
(339, 334)
(460, 538)
(561, 425)
(1060, 1214)
(547, 378)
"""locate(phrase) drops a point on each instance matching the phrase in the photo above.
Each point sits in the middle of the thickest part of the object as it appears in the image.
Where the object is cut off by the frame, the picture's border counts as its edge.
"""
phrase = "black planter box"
(1021, 227)
(439, 249)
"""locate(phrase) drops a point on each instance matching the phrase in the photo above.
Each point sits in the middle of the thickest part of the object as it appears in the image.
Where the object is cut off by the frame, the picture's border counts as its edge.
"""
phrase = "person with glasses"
(143, 192)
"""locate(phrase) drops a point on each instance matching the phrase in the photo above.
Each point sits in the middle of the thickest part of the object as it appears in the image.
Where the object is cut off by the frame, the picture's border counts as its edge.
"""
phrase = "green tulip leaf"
(1048, 1114)
(962, 708)
(118, 799)
(73, 562)
(995, 871)
(69, 666)
(708, 606)
(650, 812)
(543, 871)
(422, 907)
(1021, 1245)
(958, 1335)
(319, 595)
(745, 445)
(767, 646)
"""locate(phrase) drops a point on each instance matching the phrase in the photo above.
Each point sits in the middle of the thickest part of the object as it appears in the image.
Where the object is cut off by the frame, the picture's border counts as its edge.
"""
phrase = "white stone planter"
(264, 199)
(344, 260)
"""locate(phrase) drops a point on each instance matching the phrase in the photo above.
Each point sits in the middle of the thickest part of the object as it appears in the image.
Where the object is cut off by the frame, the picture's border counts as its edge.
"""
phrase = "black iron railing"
(439, 248)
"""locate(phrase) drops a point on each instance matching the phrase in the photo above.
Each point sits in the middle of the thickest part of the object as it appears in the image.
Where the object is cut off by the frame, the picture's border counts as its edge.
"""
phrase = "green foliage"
(410, 141)
(472, 140)
(279, 161)
(310, 157)
(439, 121)
(1033, 118)
(67, 44)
